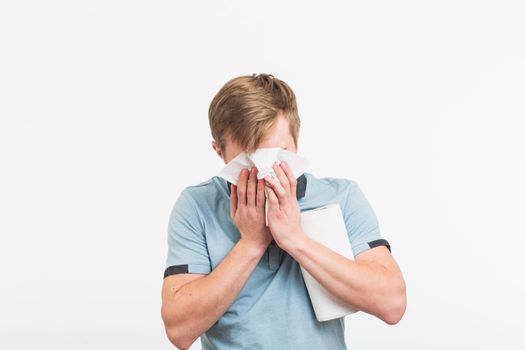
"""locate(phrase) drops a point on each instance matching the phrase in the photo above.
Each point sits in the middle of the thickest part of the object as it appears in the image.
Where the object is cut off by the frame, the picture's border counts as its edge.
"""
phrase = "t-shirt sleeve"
(361, 221)
(187, 249)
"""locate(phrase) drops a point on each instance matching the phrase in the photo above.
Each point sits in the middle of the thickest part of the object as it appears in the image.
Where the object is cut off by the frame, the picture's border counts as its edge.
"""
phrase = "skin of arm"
(372, 282)
(193, 308)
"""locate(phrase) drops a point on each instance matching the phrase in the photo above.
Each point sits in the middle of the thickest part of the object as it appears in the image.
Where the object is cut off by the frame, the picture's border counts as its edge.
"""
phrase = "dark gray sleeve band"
(174, 269)
(379, 242)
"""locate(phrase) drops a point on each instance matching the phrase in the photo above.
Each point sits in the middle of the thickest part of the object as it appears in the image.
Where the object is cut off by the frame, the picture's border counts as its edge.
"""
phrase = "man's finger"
(241, 187)
(277, 189)
(233, 200)
(260, 193)
(281, 175)
(271, 197)
(291, 179)
(252, 187)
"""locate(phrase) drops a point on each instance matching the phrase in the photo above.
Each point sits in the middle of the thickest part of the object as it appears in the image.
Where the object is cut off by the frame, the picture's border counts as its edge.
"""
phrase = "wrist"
(252, 247)
(297, 243)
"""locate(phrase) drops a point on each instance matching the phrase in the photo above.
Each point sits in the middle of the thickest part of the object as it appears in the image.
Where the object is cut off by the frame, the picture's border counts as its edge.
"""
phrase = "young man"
(237, 283)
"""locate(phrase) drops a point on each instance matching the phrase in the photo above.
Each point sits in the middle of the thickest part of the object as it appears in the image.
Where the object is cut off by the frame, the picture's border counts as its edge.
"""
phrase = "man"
(236, 282)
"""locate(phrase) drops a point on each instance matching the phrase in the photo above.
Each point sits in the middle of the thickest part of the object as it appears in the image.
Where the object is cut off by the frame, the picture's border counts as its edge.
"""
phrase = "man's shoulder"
(200, 186)
(329, 183)
(202, 191)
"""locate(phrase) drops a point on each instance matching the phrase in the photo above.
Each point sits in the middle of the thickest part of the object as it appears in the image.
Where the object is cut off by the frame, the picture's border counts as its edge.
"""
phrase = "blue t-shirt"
(273, 309)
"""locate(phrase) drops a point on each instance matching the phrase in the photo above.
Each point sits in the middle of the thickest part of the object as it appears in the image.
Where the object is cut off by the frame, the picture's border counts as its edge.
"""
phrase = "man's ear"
(217, 149)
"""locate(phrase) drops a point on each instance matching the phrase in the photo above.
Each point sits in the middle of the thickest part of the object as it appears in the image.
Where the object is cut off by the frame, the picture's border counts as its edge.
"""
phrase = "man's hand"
(284, 214)
(247, 208)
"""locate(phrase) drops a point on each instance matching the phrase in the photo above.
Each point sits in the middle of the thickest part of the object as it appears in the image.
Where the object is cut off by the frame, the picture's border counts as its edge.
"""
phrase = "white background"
(103, 108)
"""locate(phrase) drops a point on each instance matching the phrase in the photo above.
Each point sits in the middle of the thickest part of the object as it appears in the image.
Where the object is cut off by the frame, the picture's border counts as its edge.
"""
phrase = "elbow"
(395, 308)
(176, 334)
(177, 337)
(393, 316)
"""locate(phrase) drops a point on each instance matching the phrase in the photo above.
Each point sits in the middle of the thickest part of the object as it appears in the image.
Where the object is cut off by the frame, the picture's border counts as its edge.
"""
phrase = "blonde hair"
(246, 107)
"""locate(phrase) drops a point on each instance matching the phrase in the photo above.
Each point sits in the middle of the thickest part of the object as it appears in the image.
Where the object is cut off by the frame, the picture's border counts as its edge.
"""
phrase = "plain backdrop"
(103, 121)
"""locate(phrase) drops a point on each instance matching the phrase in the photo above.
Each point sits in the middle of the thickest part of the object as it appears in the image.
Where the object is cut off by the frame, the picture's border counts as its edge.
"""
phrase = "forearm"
(365, 286)
(199, 304)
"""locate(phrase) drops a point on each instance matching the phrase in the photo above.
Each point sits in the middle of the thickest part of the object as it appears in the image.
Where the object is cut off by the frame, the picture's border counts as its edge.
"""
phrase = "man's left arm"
(372, 282)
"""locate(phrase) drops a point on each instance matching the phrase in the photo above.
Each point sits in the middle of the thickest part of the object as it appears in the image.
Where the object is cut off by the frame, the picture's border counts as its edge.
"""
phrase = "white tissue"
(263, 159)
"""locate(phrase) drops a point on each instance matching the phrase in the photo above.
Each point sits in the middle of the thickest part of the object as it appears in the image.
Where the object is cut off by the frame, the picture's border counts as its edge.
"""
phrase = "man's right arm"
(191, 308)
